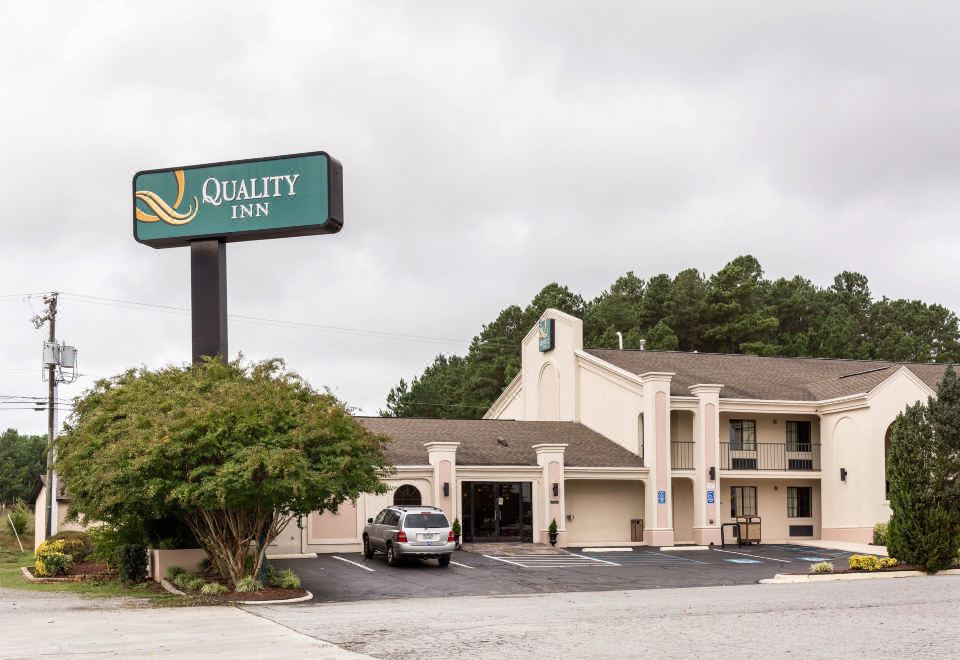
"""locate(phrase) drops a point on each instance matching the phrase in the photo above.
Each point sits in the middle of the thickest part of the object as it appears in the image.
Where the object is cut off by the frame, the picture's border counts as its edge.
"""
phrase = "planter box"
(86, 577)
(161, 560)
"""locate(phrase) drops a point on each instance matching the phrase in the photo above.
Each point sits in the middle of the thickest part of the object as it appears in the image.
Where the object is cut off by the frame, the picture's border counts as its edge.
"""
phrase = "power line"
(170, 309)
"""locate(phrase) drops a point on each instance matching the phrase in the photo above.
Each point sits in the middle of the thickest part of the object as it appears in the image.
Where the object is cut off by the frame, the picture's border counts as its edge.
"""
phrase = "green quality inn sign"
(297, 195)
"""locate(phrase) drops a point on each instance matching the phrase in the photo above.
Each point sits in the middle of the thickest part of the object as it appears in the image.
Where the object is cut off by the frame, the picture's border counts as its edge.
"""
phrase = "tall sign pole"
(207, 206)
(208, 298)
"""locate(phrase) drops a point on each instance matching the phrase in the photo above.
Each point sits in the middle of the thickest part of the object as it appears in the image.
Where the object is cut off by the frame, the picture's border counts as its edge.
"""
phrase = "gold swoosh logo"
(164, 211)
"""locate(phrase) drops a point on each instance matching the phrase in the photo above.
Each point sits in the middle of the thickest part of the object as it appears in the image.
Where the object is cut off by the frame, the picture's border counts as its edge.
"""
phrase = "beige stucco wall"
(602, 510)
(609, 406)
(854, 440)
(568, 334)
(772, 506)
(40, 519)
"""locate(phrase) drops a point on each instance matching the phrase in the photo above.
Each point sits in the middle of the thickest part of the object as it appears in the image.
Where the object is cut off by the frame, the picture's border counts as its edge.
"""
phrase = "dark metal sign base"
(208, 298)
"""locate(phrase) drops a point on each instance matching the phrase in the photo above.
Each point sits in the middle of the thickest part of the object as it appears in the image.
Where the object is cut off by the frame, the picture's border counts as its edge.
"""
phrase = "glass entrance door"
(497, 511)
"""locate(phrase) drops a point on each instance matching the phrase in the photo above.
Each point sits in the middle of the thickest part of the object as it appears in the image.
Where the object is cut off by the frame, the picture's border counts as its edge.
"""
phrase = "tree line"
(735, 310)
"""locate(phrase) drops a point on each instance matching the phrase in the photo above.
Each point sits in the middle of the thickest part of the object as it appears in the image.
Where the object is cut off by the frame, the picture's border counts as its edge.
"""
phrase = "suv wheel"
(444, 560)
(367, 548)
(392, 558)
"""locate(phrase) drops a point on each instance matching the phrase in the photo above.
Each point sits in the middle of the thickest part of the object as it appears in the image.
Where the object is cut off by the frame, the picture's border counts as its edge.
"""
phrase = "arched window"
(407, 495)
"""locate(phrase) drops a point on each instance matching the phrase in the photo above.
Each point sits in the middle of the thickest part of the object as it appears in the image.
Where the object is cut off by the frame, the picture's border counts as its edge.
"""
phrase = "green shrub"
(821, 568)
(52, 563)
(213, 589)
(285, 579)
(880, 533)
(132, 562)
(181, 580)
(553, 527)
(194, 583)
(77, 544)
(871, 563)
(172, 572)
(21, 516)
(248, 585)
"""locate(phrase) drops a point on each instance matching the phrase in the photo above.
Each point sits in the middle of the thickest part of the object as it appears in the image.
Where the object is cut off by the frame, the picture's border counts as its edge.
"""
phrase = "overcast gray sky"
(488, 149)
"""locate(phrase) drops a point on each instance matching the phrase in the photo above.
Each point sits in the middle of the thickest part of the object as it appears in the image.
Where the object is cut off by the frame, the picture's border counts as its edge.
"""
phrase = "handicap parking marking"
(366, 568)
(603, 561)
(813, 558)
(744, 554)
(744, 561)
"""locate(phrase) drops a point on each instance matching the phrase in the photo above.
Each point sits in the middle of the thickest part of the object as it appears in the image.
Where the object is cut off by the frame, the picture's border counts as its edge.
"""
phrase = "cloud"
(488, 149)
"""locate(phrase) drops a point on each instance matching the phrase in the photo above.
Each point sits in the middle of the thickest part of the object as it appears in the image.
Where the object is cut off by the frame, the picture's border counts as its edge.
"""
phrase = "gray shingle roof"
(497, 442)
(770, 378)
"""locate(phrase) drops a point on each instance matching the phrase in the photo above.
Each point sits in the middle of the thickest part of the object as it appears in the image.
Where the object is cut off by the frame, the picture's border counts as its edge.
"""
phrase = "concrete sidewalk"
(34, 624)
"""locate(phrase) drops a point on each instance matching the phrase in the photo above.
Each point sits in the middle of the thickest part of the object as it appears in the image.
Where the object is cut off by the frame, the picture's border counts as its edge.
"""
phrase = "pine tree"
(923, 471)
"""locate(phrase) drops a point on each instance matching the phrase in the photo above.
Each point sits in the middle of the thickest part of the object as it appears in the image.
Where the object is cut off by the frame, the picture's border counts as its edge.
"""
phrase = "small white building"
(625, 447)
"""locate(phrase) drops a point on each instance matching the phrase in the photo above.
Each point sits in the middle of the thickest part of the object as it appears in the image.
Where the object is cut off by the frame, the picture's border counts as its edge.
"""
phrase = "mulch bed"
(85, 571)
(91, 568)
(267, 593)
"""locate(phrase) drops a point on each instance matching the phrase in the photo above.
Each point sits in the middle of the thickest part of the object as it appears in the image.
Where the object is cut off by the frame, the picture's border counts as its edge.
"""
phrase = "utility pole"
(60, 366)
(51, 365)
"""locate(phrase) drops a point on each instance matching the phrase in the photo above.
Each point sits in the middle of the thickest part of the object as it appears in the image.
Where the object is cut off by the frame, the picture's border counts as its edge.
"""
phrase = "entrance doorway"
(497, 511)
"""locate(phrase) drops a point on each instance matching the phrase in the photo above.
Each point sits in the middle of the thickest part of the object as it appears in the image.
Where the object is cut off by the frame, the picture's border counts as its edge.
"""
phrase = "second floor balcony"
(779, 456)
(800, 456)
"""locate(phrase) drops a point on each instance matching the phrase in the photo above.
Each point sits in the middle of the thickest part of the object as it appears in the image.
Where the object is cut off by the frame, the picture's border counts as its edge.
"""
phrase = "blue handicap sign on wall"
(710, 497)
(661, 497)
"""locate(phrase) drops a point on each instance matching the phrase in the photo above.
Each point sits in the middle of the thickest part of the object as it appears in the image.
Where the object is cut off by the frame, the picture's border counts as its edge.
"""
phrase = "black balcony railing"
(681, 455)
(801, 456)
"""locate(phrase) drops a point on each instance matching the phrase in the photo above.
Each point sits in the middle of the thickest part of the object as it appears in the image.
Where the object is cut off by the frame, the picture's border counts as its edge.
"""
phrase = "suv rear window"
(425, 520)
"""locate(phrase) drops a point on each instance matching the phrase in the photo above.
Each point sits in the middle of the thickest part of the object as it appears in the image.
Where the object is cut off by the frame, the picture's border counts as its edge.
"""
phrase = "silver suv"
(409, 531)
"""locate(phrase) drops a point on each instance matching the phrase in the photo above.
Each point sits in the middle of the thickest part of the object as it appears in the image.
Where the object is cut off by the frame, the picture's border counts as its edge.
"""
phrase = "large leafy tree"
(22, 460)
(923, 468)
(734, 310)
(234, 450)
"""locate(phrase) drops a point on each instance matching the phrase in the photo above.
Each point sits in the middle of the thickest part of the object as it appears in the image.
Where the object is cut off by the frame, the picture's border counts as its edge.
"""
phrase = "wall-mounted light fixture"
(556, 489)
(843, 474)
(446, 489)
(713, 474)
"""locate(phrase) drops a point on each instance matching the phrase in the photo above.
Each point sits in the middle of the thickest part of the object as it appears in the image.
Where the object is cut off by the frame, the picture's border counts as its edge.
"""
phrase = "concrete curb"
(295, 555)
(172, 589)
(299, 599)
(683, 548)
(786, 578)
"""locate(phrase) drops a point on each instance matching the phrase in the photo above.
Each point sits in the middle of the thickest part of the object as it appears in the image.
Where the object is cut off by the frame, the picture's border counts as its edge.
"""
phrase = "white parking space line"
(505, 561)
(552, 561)
(674, 557)
(366, 568)
(456, 563)
(602, 561)
(785, 561)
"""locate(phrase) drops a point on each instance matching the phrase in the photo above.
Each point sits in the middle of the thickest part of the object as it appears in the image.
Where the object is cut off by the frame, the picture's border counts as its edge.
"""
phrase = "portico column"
(443, 458)
(658, 496)
(706, 436)
(550, 460)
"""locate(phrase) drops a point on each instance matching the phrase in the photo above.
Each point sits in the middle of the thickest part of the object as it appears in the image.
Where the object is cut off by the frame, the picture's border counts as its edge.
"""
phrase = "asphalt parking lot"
(349, 577)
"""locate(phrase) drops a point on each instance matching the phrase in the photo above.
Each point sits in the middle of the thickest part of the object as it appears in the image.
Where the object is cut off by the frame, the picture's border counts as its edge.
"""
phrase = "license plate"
(428, 537)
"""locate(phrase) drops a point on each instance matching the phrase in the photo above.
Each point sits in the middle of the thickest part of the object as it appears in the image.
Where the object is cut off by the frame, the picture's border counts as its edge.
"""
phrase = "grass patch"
(11, 559)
